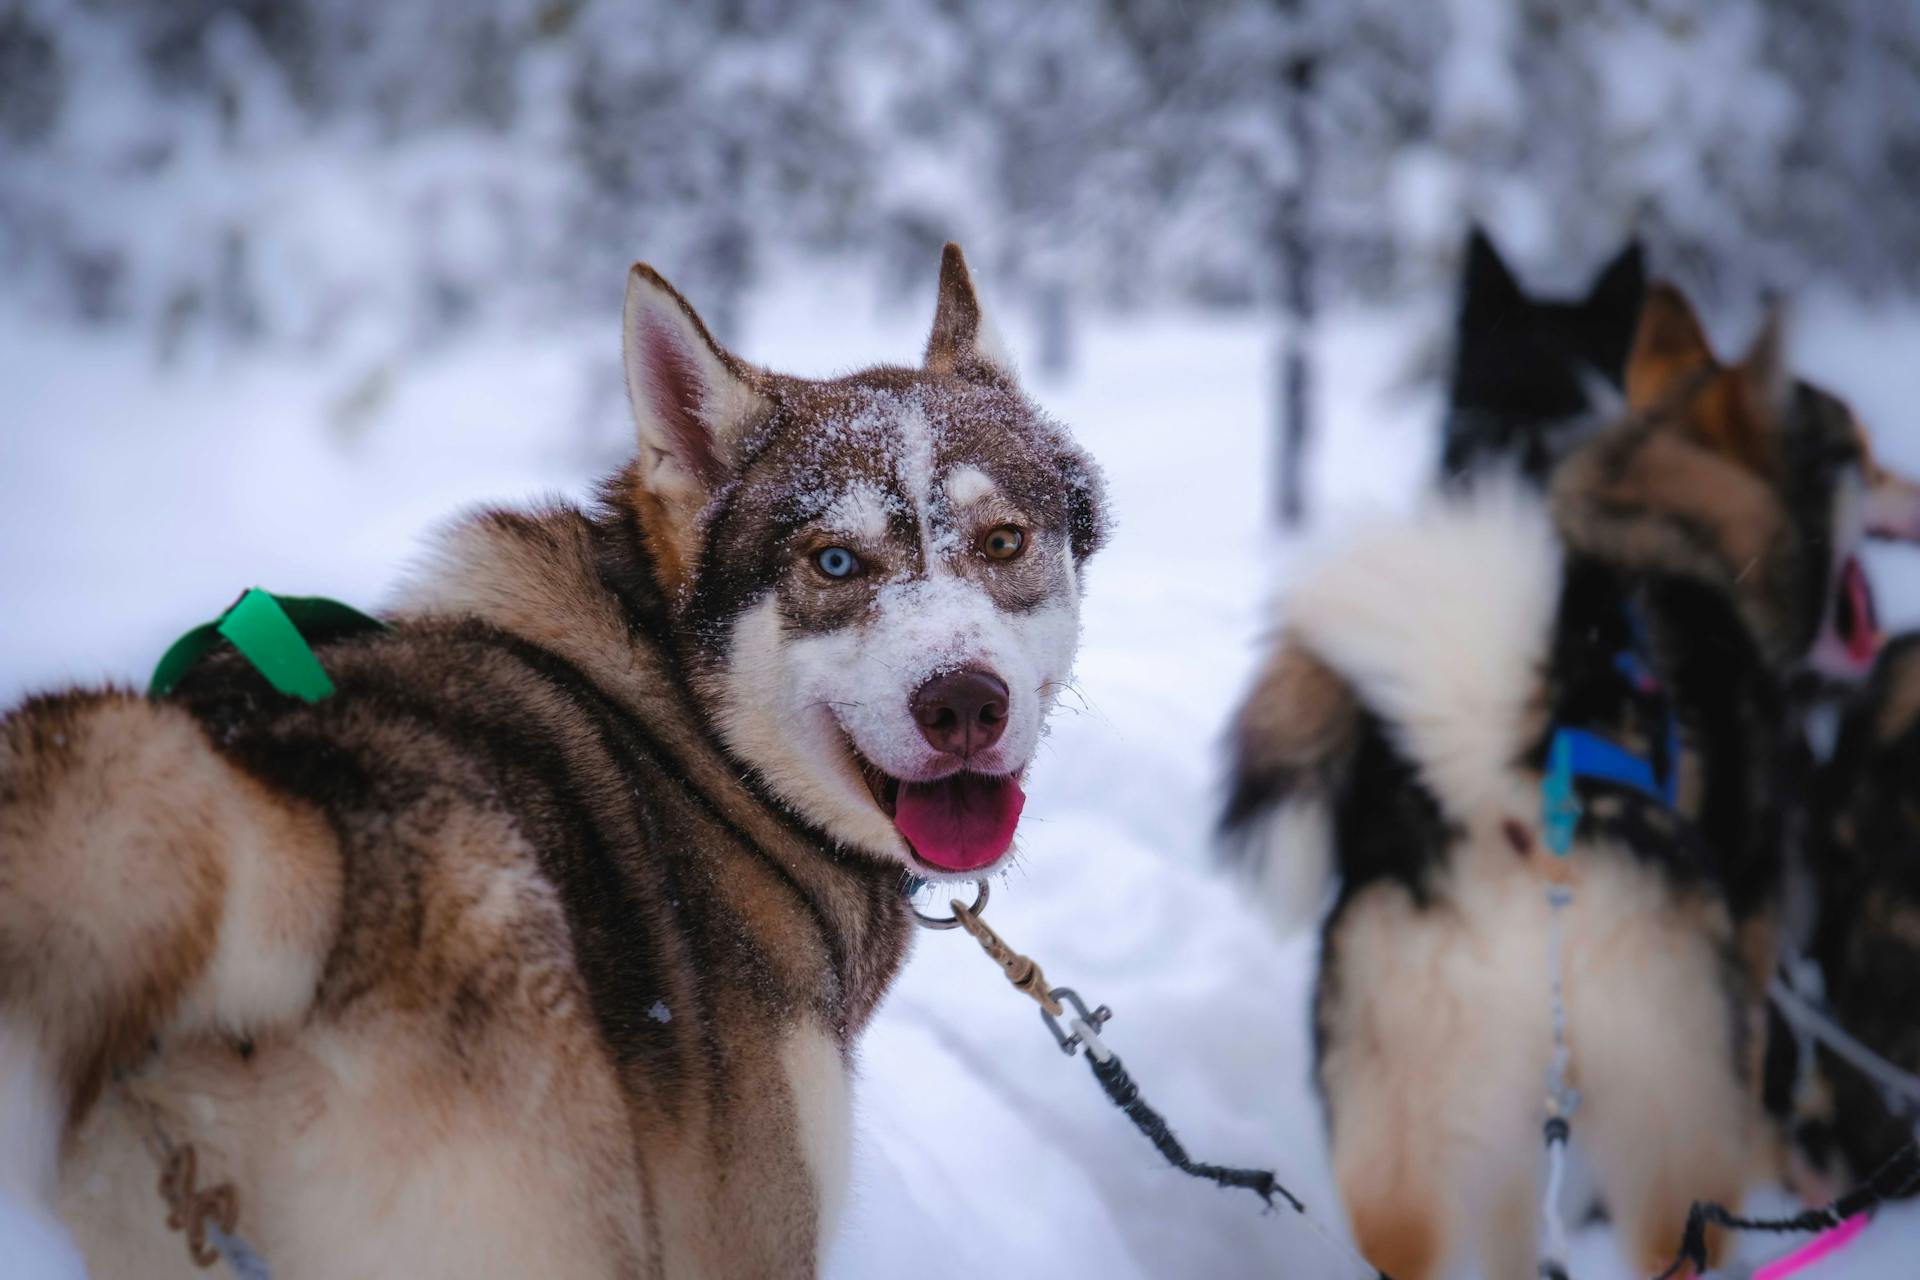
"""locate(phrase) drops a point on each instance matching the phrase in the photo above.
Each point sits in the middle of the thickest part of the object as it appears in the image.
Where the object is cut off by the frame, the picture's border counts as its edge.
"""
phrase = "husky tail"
(1434, 629)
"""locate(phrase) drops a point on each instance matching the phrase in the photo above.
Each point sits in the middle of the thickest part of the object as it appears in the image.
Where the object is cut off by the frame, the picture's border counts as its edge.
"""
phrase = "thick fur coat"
(542, 946)
(1687, 558)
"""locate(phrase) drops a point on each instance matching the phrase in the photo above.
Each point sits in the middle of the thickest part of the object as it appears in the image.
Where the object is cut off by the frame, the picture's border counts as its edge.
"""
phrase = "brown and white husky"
(540, 948)
(1687, 560)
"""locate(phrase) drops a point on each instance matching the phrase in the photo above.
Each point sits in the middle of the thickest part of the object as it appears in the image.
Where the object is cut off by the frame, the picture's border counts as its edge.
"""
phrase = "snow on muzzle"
(941, 705)
(965, 820)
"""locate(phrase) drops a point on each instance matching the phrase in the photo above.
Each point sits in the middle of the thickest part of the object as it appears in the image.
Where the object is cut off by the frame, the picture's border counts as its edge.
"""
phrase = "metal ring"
(926, 921)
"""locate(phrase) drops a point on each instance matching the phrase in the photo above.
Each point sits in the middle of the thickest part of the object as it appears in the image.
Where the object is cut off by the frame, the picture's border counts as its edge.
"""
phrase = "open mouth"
(961, 822)
(1854, 622)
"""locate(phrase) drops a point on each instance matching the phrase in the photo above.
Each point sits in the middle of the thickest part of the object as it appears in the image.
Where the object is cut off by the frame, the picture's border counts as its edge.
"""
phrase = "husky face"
(1797, 442)
(877, 577)
(1527, 371)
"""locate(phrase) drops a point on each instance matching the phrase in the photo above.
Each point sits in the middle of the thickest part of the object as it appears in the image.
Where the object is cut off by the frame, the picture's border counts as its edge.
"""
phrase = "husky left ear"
(962, 341)
(1669, 346)
(693, 403)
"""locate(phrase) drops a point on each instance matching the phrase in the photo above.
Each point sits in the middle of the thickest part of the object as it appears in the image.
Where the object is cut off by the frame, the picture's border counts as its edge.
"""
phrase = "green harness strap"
(276, 634)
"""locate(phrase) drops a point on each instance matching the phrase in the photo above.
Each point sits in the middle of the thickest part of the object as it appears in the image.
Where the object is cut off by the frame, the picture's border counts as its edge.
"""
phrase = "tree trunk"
(1293, 244)
(1056, 329)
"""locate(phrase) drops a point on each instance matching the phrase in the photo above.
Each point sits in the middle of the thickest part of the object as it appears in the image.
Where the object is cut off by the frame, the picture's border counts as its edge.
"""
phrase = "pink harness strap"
(1828, 1242)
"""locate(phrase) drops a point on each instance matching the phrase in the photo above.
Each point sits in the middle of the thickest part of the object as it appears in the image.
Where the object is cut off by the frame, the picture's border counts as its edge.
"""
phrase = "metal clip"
(1021, 970)
(1091, 1019)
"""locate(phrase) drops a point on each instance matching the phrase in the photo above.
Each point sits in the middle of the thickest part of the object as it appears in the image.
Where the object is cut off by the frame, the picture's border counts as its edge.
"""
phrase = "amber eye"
(1004, 543)
(836, 562)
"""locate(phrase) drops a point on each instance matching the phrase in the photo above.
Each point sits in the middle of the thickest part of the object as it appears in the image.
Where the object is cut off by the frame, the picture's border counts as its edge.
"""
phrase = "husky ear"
(1622, 283)
(1734, 411)
(963, 342)
(1488, 287)
(1621, 286)
(1669, 346)
(692, 405)
(1764, 376)
(1613, 307)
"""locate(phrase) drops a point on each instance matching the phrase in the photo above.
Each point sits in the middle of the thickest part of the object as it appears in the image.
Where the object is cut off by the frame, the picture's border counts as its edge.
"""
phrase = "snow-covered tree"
(362, 172)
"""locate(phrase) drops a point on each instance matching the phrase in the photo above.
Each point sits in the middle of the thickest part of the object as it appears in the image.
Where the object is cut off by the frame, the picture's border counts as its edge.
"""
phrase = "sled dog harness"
(1575, 756)
(276, 635)
(1839, 1222)
(1578, 755)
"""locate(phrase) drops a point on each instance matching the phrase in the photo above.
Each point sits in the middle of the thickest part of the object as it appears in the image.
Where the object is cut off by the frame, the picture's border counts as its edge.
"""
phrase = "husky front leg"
(1655, 1006)
(1434, 1044)
(148, 890)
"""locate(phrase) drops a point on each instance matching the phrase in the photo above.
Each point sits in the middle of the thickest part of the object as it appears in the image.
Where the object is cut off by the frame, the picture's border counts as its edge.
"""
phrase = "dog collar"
(276, 634)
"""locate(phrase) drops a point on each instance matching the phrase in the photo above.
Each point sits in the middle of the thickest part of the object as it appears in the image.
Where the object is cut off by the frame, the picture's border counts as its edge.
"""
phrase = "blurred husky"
(1533, 376)
(1864, 855)
(541, 947)
(1688, 558)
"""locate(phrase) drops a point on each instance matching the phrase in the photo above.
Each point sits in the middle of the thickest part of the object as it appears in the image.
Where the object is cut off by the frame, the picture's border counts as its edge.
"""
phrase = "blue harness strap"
(1597, 758)
(1576, 755)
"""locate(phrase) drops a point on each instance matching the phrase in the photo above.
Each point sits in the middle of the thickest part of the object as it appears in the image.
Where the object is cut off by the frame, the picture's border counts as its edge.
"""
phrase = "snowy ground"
(133, 505)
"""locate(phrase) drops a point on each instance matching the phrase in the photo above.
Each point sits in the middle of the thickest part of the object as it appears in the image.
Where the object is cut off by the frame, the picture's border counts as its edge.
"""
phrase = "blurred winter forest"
(320, 172)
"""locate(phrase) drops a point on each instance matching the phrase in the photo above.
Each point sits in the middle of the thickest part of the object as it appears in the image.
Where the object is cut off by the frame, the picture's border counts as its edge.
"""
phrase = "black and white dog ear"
(693, 401)
(963, 341)
(1488, 288)
(1621, 286)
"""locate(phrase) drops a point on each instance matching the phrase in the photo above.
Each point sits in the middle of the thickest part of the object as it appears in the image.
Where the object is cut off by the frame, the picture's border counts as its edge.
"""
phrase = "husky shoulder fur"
(540, 948)
(1686, 560)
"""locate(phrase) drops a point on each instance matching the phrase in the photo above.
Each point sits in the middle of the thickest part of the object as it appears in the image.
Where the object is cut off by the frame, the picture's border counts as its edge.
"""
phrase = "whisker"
(1065, 686)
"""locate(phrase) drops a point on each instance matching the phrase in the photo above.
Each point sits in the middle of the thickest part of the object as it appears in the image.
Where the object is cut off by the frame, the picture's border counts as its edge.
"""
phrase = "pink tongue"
(1863, 640)
(959, 823)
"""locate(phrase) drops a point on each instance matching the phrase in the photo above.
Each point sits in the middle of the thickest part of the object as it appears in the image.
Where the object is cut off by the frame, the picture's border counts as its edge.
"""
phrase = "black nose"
(962, 711)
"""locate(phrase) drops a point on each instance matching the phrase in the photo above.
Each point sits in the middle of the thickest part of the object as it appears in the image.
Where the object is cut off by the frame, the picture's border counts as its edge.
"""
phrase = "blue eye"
(836, 562)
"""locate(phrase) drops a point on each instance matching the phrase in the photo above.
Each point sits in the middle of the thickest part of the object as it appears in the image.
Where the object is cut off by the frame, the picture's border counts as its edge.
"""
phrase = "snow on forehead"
(838, 472)
(893, 439)
(861, 508)
(935, 624)
(967, 484)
